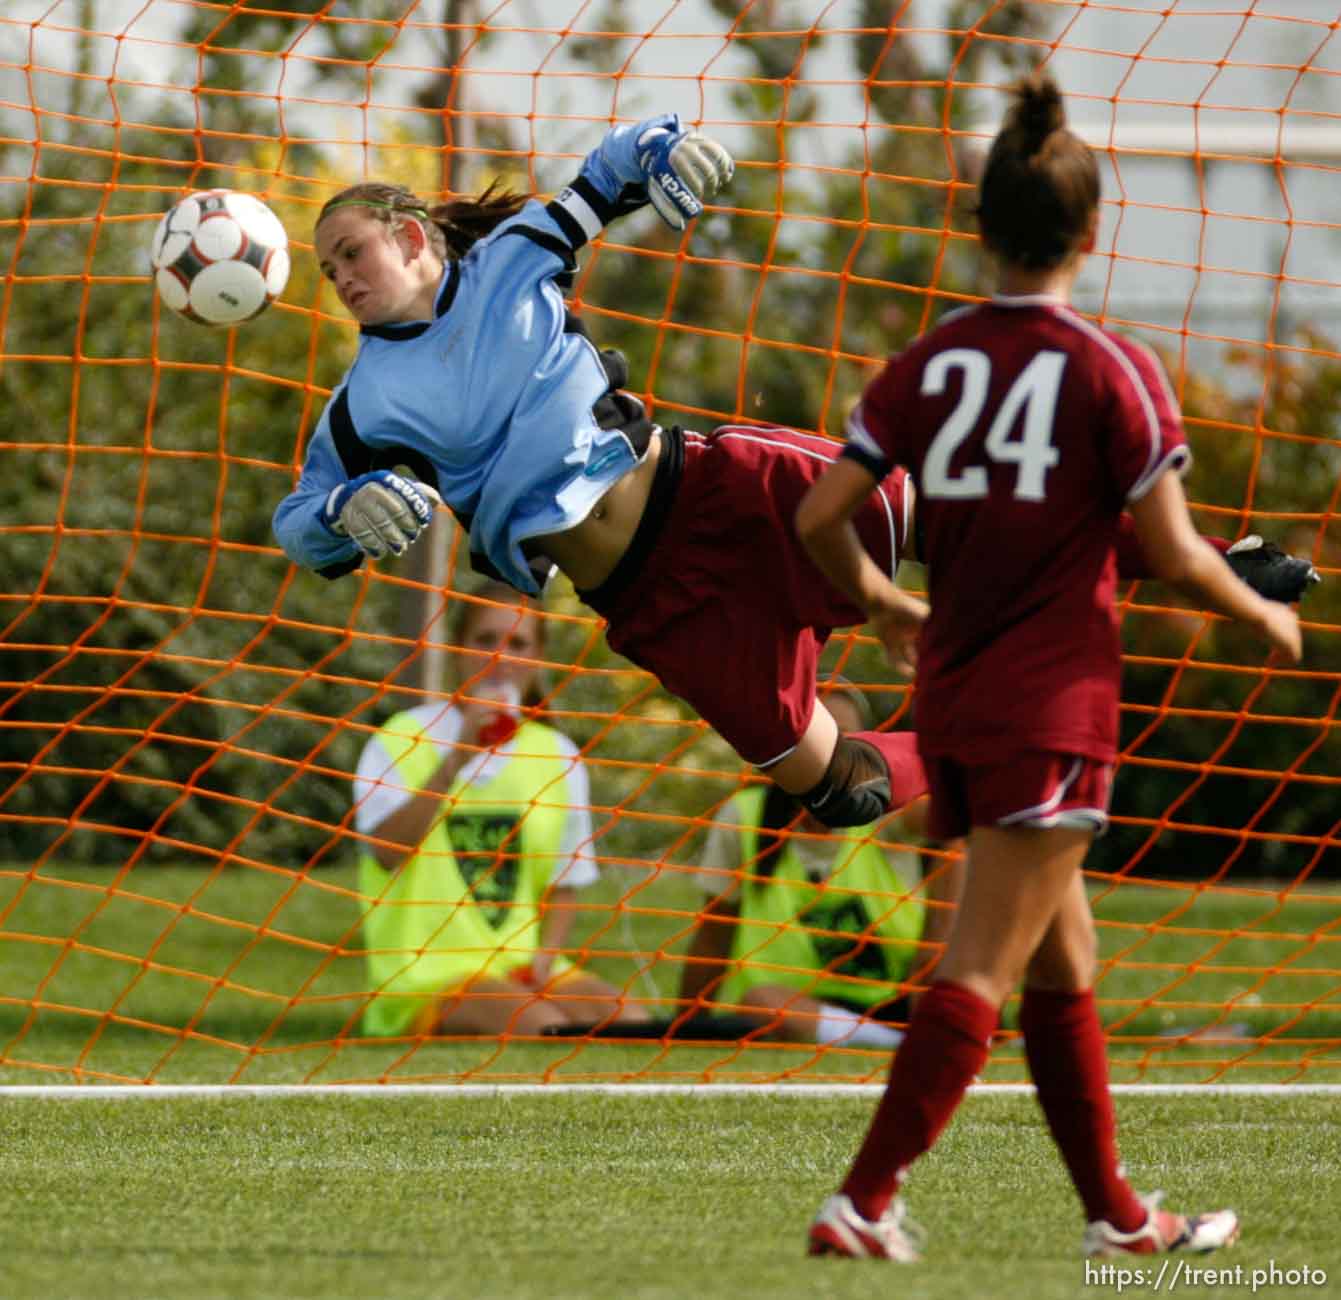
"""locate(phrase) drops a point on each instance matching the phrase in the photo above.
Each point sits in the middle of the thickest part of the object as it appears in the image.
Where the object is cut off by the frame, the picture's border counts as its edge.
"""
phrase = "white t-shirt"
(378, 791)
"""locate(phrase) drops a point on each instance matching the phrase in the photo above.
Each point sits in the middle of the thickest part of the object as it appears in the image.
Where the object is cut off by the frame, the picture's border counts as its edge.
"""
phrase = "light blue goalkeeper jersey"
(491, 401)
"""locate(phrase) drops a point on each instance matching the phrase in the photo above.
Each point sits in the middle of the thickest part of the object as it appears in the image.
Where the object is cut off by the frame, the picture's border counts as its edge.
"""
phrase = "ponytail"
(1036, 113)
(463, 221)
(1040, 188)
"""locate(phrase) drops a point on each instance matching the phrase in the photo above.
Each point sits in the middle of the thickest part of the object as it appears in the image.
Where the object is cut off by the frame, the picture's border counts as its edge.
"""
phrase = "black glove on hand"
(1269, 571)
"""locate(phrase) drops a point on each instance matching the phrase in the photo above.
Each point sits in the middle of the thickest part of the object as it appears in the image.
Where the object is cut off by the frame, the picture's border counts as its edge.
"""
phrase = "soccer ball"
(220, 257)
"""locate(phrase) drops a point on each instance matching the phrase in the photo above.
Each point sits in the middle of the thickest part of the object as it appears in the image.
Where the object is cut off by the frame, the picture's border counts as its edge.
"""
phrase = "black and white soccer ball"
(220, 257)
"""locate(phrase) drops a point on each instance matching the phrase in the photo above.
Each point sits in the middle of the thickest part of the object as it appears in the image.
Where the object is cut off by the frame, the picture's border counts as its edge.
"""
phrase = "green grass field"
(591, 1196)
(177, 975)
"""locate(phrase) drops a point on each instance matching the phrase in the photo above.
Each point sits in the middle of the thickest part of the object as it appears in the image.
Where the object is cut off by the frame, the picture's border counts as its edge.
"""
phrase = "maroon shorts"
(727, 608)
(1034, 788)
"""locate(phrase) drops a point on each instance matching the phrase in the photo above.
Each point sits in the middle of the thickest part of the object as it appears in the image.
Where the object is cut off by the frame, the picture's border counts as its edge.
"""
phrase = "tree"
(171, 673)
(156, 648)
(1211, 745)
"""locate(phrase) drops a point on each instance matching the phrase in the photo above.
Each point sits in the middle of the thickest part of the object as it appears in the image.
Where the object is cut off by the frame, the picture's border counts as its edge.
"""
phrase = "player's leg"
(862, 775)
(768, 710)
(803, 767)
(585, 999)
(793, 1017)
(854, 779)
(1016, 881)
(488, 1004)
(779, 467)
(1064, 1044)
(725, 576)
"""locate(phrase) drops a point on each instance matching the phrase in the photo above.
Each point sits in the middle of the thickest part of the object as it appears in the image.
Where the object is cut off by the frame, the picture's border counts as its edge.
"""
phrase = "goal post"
(186, 879)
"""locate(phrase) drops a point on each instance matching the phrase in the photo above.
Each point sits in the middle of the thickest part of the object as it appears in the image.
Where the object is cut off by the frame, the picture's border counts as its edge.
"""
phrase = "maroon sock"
(1064, 1043)
(947, 1044)
(907, 776)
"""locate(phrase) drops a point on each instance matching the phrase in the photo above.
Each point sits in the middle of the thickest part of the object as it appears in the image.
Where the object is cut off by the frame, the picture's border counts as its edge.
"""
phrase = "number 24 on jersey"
(1031, 401)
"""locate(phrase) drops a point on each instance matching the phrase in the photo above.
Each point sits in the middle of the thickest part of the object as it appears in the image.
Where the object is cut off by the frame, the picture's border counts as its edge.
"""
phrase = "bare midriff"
(589, 551)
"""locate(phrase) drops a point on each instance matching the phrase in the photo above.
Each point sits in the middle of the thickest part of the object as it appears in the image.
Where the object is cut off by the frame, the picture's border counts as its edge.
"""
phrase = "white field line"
(62, 1092)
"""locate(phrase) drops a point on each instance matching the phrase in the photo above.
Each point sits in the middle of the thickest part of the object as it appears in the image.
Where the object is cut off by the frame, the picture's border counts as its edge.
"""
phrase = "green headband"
(376, 203)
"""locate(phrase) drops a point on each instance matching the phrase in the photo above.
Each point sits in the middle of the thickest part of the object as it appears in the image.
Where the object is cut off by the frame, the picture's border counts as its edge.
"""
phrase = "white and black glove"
(381, 512)
(1269, 571)
(683, 168)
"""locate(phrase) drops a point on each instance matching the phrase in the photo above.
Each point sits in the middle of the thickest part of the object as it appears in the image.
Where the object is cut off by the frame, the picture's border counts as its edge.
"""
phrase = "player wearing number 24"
(1033, 437)
(474, 384)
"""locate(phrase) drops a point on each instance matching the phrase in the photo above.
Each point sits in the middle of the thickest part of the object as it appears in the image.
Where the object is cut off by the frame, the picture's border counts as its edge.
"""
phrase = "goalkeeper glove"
(380, 512)
(682, 169)
(1269, 571)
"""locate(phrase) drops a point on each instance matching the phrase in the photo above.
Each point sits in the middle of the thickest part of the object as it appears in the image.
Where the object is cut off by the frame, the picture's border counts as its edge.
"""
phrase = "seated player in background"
(478, 833)
(810, 933)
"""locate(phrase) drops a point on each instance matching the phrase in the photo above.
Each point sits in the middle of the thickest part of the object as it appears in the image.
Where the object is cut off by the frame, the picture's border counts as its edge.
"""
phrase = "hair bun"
(1038, 110)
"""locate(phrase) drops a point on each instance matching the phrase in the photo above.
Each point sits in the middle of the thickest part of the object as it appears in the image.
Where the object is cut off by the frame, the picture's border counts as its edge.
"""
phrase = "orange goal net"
(190, 880)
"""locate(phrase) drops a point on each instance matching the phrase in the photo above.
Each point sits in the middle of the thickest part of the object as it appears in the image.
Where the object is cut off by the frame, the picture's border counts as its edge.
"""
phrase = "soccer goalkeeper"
(475, 385)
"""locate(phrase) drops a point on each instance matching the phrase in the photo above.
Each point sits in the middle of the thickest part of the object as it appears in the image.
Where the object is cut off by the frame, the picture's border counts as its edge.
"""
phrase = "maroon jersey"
(1026, 430)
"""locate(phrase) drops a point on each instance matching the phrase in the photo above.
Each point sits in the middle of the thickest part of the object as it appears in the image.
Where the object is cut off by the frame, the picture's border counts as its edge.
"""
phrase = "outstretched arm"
(1181, 558)
(1267, 569)
(655, 161)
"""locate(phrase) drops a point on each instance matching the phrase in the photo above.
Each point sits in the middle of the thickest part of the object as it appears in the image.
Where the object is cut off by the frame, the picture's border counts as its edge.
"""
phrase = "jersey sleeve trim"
(352, 450)
(864, 449)
(913, 539)
(543, 239)
(1157, 460)
(1177, 460)
(338, 570)
(861, 448)
(356, 459)
(581, 212)
(873, 465)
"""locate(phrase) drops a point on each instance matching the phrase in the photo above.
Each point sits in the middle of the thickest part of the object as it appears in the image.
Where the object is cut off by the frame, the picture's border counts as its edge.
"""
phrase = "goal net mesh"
(181, 898)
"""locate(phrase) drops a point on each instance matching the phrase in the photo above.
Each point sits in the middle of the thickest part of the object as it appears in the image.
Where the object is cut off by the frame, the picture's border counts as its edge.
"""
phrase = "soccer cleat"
(839, 1230)
(1269, 571)
(1163, 1231)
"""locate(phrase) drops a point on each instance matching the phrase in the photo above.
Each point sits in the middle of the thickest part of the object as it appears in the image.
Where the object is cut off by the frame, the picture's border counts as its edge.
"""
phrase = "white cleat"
(1163, 1231)
(839, 1230)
